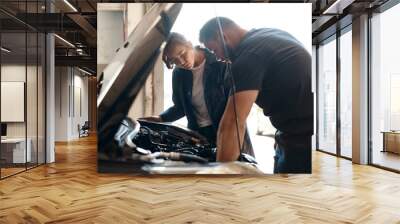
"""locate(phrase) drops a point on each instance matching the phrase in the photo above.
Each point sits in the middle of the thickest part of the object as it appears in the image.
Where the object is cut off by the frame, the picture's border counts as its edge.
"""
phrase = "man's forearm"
(227, 141)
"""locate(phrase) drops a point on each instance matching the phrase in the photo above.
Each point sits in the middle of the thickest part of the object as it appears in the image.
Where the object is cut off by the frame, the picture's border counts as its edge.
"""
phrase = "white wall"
(110, 36)
(12, 73)
(61, 103)
(33, 126)
(70, 84)
(80, 84)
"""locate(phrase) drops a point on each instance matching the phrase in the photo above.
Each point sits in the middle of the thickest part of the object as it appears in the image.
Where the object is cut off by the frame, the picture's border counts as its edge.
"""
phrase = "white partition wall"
(12, 100)
(71, 102)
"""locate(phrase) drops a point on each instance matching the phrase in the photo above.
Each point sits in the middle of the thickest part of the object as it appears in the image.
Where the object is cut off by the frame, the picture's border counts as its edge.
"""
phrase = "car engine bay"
(153, 143)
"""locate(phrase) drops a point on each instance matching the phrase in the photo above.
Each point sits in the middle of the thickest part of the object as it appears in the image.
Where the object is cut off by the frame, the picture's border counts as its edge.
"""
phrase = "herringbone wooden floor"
(71, 191)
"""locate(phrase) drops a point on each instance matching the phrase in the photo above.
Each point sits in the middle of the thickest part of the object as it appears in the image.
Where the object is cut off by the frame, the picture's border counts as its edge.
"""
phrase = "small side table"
(391, 141)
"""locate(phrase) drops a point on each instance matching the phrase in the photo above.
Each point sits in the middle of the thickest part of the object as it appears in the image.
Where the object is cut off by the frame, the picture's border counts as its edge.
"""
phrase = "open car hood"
(123, 78)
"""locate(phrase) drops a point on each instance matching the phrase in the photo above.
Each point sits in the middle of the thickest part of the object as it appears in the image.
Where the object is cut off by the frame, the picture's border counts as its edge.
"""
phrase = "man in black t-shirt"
(272, 69)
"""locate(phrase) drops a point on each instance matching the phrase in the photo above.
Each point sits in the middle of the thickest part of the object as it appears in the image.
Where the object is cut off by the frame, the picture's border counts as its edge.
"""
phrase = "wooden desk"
(391, 141)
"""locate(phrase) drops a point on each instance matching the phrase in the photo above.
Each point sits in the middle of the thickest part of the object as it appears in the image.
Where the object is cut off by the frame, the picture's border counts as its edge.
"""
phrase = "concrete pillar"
(313, 89)
(92, 97)
(360, 89)
(50, 98)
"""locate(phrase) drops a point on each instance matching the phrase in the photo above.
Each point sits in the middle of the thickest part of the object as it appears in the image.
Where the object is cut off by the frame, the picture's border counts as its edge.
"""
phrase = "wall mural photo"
(203, 89)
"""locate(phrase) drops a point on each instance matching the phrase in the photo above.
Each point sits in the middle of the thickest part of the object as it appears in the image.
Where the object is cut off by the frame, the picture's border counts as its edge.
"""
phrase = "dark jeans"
(292, 153)
(209, 133)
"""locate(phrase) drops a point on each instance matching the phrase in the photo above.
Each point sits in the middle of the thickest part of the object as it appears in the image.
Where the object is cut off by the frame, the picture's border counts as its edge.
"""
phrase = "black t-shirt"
(275, 63)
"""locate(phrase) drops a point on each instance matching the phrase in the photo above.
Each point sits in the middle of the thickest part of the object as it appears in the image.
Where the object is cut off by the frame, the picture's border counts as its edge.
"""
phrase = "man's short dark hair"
(211, 28)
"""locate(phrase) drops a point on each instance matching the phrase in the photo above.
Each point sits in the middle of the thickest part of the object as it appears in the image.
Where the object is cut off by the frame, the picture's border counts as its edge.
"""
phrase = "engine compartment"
(146, 142)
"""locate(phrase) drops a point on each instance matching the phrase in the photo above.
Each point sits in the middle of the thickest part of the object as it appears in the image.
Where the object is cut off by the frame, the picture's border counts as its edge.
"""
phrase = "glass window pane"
(23, 85)
(386, 89)
(31, 97)
(327, 97)
(41, 98)
(31, 86)
(14, 153)
(346, 94)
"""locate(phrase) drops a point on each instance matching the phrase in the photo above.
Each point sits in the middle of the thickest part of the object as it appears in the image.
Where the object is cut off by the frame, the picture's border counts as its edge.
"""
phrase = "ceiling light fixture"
(64, 40)
(79, 51)
(5, 50)
(70, 5)
(337, 7)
